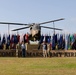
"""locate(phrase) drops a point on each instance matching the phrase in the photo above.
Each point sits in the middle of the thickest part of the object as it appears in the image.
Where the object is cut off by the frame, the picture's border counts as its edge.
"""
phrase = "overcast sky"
(35, 11)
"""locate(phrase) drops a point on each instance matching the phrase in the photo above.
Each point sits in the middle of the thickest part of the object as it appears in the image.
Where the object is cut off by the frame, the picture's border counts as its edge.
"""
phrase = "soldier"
(44, 49)
(48, 49)
(23, 47)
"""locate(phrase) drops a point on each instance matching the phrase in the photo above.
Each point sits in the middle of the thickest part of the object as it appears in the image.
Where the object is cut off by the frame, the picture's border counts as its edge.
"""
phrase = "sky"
(37, 11)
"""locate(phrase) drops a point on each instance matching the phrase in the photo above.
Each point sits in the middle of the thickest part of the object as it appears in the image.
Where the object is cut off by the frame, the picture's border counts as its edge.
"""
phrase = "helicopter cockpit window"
(36, 27)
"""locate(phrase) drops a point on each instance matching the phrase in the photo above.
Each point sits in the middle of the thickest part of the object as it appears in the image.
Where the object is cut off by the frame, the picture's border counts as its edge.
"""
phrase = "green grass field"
(38, 66)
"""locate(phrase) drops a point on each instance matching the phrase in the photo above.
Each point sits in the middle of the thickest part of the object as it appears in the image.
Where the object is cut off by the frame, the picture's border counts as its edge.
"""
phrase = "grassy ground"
(38, 66)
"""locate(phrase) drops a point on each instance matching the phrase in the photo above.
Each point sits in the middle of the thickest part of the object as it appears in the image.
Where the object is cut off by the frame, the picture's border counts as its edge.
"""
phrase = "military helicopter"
(35, 28)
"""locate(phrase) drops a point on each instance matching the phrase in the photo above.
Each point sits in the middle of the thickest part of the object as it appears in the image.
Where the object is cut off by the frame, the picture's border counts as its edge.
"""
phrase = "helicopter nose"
(30, 28)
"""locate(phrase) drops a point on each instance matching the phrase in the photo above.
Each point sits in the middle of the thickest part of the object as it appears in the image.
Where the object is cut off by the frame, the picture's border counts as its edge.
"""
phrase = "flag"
(0, 39)
(4, 39)
(63, 43)
(75, 36)
(72, 40)
(66, 42)
(53, 42)
(12, 39)
(55, 38)
(4, 42)
(60, 42)
(12, 42)
(15, 39)
(24, 38)
(41, 39)
(46, 38)
(69, 41)
(0, 42)
(8, 40)
(49, 39)
(18, 38)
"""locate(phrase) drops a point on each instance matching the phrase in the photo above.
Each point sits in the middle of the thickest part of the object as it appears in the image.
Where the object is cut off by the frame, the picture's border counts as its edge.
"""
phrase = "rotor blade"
(13, 23)
(51, 28)
(51, 21)
(20, 28)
